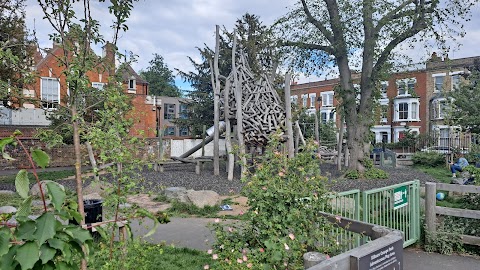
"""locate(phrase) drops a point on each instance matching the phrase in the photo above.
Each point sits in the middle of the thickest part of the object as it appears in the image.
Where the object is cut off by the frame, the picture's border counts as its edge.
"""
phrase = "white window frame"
(132, 86)
(327, 99)
(437, 112)
(410, 116)
(434, 76)
(406, 83)
(58, 91)
(452, 74)
(330, 115)
(378, 130)
(98, 85)
(304, 100)
(384, 89)
(313, 99)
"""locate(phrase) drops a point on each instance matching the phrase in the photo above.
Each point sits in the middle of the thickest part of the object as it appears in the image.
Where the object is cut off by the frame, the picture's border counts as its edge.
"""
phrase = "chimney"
(108, 55)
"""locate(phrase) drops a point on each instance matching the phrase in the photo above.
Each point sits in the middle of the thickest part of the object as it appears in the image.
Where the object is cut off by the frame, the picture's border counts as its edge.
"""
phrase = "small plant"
(431, 159)
(375, 173)
(285, 196)
(352, 174)
(180, 208)
(43, 242)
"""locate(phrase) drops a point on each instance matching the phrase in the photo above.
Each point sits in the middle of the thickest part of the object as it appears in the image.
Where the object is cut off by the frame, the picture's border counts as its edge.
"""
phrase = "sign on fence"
(400, 197)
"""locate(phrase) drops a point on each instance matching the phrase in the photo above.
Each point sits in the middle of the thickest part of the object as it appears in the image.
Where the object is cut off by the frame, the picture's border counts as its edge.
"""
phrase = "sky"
(175, 28)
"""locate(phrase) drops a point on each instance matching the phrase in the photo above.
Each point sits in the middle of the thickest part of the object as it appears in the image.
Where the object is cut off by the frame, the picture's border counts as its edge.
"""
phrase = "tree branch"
(394, 14)
(316, 23)
(303, 45)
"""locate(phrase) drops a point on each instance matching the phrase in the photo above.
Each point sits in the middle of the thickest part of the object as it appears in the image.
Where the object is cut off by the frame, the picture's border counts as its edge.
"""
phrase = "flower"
(249, 265)
(262, 250)
(338, 218)
(328, 256)
(281, 173)
(286, 246)
(315, 142)
(291, 236)
(230, 229)
(209, 251)
(264, 188)
(217, 220)
(241, 213)
(206, 266)
(245, 258)
(215, 256)
(239, 260)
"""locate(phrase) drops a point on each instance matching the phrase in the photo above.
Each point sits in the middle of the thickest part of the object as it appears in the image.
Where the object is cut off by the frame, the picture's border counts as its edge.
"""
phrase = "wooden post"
(92, 160)
(228, 131)
(204, 133)
(238, 100)
(430, 204)
(216, 104)
(300, 134)
(288, 120)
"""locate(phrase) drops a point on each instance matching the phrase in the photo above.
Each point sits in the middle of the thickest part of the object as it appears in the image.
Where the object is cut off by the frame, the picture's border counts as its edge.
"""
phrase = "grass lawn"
(54, 175)
(441, 173)
(12, 200)
(149, 256)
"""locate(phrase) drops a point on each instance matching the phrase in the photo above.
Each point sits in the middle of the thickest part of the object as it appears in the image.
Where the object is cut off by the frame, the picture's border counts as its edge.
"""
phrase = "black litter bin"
(93, 213)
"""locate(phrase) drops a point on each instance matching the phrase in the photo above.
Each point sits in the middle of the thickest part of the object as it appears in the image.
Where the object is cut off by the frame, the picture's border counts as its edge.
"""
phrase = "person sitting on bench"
(458, 167)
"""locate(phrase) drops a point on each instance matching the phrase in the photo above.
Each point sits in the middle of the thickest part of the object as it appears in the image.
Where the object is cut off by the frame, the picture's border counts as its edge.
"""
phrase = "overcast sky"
(174, 28)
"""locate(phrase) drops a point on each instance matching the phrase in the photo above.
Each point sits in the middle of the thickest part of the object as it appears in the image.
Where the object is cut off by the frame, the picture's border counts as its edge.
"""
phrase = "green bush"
(285, 196)
(352, 174)
(432, 159)
(375, 173)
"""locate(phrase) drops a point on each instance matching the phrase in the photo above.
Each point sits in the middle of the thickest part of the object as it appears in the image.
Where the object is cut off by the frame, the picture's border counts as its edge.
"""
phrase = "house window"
(383, 113)
(455, 81)
(324, 117)
(438, 80)
(294, 99)
(439, 108)
(383, 89)
(327, 99)
(98, 85)
(403, 111)
(402, 88)
(183, 111)
(184, 131)
(169, 112)
(169, 131)
(444, 137)
(304, 101)
(384, 136)
(312, 100)
(50, 92)
(414, 113)
(132, 85)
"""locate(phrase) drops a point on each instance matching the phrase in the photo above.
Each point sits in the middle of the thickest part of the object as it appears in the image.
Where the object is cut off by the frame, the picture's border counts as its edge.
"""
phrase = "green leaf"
(77, 232)
(22, 183)
(56, 243)
(47, 253)
(26, 230)
(45, 227)
(40, 157)
(7, 261)
(27, 255)
(56, 194)
(25, 208)
(4, 241)
(49, 266)
(7, 156)
(4, 142)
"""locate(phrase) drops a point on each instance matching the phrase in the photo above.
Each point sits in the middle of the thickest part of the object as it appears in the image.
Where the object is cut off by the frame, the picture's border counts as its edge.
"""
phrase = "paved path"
(194, 233)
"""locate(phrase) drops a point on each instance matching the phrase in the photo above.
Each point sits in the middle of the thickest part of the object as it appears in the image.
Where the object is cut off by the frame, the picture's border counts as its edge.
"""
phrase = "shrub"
(431, 159)
(352, 174)
(375, 173)
(285, 196)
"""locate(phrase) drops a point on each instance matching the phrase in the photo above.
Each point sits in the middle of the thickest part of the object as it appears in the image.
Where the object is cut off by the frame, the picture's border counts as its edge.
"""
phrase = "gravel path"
(183, 175)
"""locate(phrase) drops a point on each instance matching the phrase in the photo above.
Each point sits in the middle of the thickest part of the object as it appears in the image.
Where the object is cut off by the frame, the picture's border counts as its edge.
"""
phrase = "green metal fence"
(395, 207)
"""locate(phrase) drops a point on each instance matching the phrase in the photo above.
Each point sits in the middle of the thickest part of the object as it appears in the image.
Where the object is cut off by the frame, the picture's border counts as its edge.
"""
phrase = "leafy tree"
(160, 78)
(16, 53)
(465, 111)
(257, 41)
(362, 36)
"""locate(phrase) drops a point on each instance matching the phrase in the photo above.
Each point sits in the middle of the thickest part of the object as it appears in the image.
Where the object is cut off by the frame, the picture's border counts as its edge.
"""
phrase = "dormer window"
(131, 85)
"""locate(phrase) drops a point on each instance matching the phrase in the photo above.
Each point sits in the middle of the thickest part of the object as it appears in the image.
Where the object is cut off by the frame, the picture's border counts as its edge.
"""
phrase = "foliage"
(432, 159)
(473, 155)
(182, 209)
(440, 173)
(363, 37)
(352, 174)
(161, 81)
(285, 196)
(257, 41)
(53, 175)
(16, 52)
(445, 240)
(375, 173)
(43, 242)
(327, 132)
(466, 113)
(145, 256)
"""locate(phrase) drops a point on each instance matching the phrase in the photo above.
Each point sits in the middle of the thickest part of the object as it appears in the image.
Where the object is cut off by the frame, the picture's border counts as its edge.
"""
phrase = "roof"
(128, 72)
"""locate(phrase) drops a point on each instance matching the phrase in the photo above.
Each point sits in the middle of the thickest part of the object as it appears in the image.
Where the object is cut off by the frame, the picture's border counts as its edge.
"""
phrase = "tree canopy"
(363, 36)
(161, 81)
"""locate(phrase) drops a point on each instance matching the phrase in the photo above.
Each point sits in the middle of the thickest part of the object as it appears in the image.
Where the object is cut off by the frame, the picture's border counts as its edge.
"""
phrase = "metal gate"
(396, 207)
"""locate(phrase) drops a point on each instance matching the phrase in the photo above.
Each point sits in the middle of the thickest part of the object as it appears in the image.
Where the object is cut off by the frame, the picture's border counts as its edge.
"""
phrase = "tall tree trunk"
(288, 120)
(78, 162)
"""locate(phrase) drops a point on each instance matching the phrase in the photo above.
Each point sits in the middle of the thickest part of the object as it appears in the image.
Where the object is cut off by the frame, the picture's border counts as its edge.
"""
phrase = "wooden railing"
(431, 208)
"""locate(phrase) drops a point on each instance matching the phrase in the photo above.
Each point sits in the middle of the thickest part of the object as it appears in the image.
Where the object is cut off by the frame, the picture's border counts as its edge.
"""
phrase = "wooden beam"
(458, 188)
(466, 213)
(430, 206)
